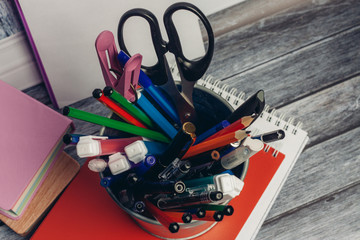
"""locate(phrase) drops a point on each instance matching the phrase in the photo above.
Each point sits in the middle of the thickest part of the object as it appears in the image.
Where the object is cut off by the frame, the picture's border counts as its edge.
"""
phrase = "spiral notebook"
(266, 174)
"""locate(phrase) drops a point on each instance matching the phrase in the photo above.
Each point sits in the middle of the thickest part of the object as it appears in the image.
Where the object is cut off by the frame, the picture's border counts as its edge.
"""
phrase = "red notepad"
(86, 211)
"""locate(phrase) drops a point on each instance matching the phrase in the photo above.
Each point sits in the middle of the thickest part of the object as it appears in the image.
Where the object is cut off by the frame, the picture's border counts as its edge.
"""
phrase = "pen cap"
(88, 147)
(136, 151)
(255, 145)
(229, 185)
(118, 163)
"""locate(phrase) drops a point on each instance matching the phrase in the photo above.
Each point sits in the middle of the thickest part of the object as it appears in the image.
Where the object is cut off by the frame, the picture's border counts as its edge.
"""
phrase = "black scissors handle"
(157, 72)
(191, 70)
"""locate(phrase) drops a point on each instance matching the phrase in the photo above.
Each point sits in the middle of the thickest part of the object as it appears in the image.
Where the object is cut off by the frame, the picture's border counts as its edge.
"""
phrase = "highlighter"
(88, 146)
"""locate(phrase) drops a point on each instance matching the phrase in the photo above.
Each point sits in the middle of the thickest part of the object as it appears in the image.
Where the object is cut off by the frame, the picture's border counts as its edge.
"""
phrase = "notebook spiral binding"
(235, 98)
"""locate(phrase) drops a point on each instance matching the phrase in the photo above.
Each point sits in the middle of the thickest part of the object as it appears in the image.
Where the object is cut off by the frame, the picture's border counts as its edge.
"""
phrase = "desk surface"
(307, 60)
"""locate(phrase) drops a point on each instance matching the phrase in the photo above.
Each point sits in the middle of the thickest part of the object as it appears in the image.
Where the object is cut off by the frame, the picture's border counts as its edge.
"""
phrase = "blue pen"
(144, 166)
(211, 131)
(156, 116)
(151, 89)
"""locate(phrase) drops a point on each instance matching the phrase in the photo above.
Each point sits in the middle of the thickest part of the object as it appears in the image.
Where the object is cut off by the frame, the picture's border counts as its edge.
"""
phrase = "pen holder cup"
(211, 108)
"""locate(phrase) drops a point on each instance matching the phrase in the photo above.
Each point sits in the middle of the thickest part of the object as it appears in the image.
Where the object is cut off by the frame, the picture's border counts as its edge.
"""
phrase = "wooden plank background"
(307, 60)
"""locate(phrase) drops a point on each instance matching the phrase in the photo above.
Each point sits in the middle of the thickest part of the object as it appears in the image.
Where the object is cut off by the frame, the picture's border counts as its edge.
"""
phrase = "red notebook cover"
(86, 211)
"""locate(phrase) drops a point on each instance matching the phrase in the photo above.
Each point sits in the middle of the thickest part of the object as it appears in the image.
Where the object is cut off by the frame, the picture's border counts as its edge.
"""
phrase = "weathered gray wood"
(305, 71)
(9, 20)
(335, 217)
(7, 234)
(319, 171)
(280, 34)
(329, 112)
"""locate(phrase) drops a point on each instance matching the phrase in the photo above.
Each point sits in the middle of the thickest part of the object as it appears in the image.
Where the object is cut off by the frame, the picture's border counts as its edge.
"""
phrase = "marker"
(215, 143)
(90, 146)
(137, 150)
(71, 138)
(198, 211)
(271, 136)
(229, 185)
(211, 216)
(156, 116)
(107, 122)
(187, 200)
(151, 89)
(164, 219)
(253, 106)
(236, 157)
(184, 217)
(221, 125)
(99, 95)
(110, 180)
(177, 148)
(240, 124)
(130, 108)
(228, 210)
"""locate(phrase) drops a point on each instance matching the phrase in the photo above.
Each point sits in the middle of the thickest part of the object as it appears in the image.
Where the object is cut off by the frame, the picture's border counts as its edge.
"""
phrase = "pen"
(164, 219)
(152, 187)
(99, 95)
(187, 199)
(155, 115)
(144, 166)
(154, 92)
(71, 138)
(240, 124)
(139, 207)
(90, 146)
(271, 136)
(177, 148)
(204, 158)
(175, 170)
(221, 125)
(129, 107)
(215, 143)
(253, 106)
(107, 122)
(198, 211)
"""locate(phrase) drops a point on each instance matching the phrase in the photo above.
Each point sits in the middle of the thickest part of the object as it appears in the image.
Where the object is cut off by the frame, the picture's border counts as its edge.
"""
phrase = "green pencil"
(130, 108)
(111, 123)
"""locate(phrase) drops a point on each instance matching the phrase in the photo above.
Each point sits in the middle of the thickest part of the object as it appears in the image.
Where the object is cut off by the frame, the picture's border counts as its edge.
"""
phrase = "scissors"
(160, 73)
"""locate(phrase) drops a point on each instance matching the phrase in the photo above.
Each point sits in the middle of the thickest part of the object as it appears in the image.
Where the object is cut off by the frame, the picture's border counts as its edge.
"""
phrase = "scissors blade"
(184, 107)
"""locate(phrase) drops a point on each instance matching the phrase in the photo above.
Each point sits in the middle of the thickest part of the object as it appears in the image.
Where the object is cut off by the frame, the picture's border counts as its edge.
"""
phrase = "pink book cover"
(29, 132)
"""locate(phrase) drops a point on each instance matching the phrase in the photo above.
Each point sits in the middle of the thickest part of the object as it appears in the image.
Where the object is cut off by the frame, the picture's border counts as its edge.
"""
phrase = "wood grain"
(335, 217)
(320, 170)
(305, 71)
(64, 170)
(275, 36)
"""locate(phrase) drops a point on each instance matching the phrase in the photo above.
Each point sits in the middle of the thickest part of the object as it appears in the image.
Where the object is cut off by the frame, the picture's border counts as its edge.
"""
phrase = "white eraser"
(136, 151)
(87, 147)
(229, 185)
(118, 163)
(97, 165)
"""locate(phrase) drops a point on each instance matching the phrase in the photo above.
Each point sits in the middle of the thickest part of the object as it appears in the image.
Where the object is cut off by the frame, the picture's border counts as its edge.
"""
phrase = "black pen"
(176, 149)
(271, 136)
